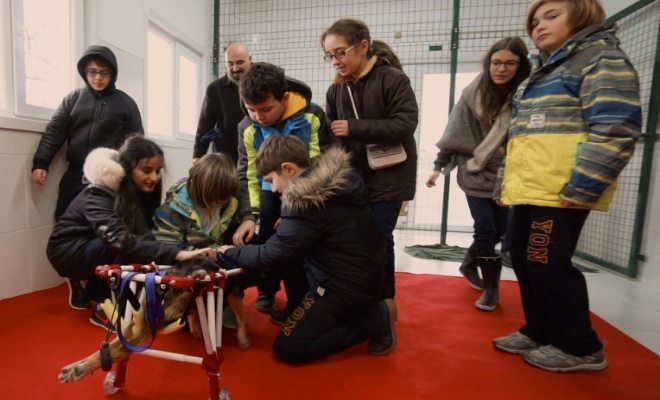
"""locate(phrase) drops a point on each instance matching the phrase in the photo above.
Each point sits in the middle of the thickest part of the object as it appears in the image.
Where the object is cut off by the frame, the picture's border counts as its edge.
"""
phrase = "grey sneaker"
(551, 358)
(515, 343)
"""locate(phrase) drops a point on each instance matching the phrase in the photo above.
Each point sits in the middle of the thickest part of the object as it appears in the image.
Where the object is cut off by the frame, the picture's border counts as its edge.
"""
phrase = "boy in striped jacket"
(574, 126)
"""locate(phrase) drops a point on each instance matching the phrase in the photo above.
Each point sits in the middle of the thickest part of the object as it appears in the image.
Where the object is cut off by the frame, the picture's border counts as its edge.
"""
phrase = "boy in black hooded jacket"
(98, 115)
(325, 219)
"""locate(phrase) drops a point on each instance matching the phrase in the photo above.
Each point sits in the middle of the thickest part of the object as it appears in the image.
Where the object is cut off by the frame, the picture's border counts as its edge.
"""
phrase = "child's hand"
(244, 233)
(339, 128)
(277, 223)
(224, 248)
(431, 181)
(188, 254)
(39, 176)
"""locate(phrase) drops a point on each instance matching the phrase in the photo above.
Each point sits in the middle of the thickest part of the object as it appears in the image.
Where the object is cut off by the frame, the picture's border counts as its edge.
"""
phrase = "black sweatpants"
(71, 185)
(554, 292)
(325, 325)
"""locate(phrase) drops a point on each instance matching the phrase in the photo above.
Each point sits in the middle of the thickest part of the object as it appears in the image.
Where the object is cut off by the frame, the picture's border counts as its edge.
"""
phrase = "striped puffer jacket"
(574, 125)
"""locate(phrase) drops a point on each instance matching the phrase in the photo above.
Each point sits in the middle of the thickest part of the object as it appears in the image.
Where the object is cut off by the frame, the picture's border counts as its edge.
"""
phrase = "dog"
(175, 304)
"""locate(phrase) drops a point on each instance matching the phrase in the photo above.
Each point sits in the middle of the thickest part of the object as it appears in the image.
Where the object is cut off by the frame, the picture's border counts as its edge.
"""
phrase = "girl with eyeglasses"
(386, 113)
(473, 141)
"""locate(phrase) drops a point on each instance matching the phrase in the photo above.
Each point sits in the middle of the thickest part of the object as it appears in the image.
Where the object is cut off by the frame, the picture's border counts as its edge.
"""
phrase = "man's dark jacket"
(221, 111)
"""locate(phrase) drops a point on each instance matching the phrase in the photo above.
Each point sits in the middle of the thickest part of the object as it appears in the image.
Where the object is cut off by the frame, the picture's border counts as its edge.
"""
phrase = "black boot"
(491, 267)
(383, 341)
(469, 269)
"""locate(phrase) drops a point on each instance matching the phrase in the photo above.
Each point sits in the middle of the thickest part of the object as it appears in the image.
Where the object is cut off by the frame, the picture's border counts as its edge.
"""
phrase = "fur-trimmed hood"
(330, 177)
(102, 168)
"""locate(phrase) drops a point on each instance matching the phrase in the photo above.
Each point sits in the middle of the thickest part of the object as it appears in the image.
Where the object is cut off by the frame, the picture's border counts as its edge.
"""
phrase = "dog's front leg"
(237, 306)
(135, 334)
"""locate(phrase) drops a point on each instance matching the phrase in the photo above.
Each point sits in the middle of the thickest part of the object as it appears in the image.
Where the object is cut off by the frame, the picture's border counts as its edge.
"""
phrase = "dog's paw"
(72, 372)
(243, 339)
(199, 274)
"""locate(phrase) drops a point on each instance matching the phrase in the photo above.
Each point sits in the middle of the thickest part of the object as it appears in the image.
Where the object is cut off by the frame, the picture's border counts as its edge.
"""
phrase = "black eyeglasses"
(103, 73)
(339, 54)
(511, 64)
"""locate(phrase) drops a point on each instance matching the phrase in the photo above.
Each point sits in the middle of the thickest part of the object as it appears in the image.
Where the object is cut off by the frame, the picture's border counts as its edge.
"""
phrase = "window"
(160, 82)
(44, 51)
(40, 41)
(174, 72)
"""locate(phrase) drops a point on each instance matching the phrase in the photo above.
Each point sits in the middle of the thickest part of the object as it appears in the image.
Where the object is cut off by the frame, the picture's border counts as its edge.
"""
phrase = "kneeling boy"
(325, 218)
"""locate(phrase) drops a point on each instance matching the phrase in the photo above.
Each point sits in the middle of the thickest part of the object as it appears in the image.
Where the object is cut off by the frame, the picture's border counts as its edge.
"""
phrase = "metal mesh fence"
(607, 237)
(287, 33)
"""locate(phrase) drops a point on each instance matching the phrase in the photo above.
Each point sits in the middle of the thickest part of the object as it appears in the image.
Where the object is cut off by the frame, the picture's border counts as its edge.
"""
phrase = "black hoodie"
(87, 119)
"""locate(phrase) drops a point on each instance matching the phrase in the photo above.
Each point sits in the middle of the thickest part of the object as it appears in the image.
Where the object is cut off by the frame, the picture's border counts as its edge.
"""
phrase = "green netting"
(287, 33)
(608, 239)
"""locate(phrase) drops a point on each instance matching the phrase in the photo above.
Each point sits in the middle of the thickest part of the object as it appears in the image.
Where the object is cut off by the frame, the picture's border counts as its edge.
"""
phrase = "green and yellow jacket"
(301, 118)
(178, 222)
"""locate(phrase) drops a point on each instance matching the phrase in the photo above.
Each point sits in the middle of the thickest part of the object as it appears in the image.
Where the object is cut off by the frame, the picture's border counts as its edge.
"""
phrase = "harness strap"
(153, 313)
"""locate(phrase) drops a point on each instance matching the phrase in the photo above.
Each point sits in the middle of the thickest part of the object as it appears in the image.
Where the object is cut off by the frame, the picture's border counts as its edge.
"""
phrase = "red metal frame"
(211, 283)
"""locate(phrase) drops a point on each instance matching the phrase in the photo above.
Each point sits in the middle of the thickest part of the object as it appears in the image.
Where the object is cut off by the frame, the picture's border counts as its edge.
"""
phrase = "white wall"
(26, 211)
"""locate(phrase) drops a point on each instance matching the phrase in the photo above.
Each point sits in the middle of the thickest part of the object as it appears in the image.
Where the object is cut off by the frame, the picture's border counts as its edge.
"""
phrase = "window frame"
(16, 104)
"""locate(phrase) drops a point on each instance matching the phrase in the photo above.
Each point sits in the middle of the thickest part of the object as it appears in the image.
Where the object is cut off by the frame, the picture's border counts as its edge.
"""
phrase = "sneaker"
(99, 319)
(279, 317)
(515, 343)
(229, 318)
(385, 341)
(551, 358)
(265, 301)
(77, 298)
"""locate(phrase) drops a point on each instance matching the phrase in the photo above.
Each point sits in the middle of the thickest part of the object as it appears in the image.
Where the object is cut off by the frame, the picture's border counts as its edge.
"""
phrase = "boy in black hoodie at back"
(97, 115)
(325, 219)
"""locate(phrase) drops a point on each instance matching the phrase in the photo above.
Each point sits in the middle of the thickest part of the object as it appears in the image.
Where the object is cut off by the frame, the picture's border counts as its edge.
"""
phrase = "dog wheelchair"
(210, 287)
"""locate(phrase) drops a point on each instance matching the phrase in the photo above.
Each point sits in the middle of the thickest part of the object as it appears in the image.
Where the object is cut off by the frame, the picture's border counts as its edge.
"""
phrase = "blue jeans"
(96, 253)
(489, 224)
(385, 214)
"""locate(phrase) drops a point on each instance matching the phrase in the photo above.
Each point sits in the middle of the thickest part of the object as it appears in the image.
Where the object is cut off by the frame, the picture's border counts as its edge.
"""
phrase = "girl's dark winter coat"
(388, 112)
(91, 215)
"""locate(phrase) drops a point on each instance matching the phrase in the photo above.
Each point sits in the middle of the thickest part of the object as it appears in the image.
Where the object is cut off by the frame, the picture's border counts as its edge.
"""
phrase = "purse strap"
(350, 95)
